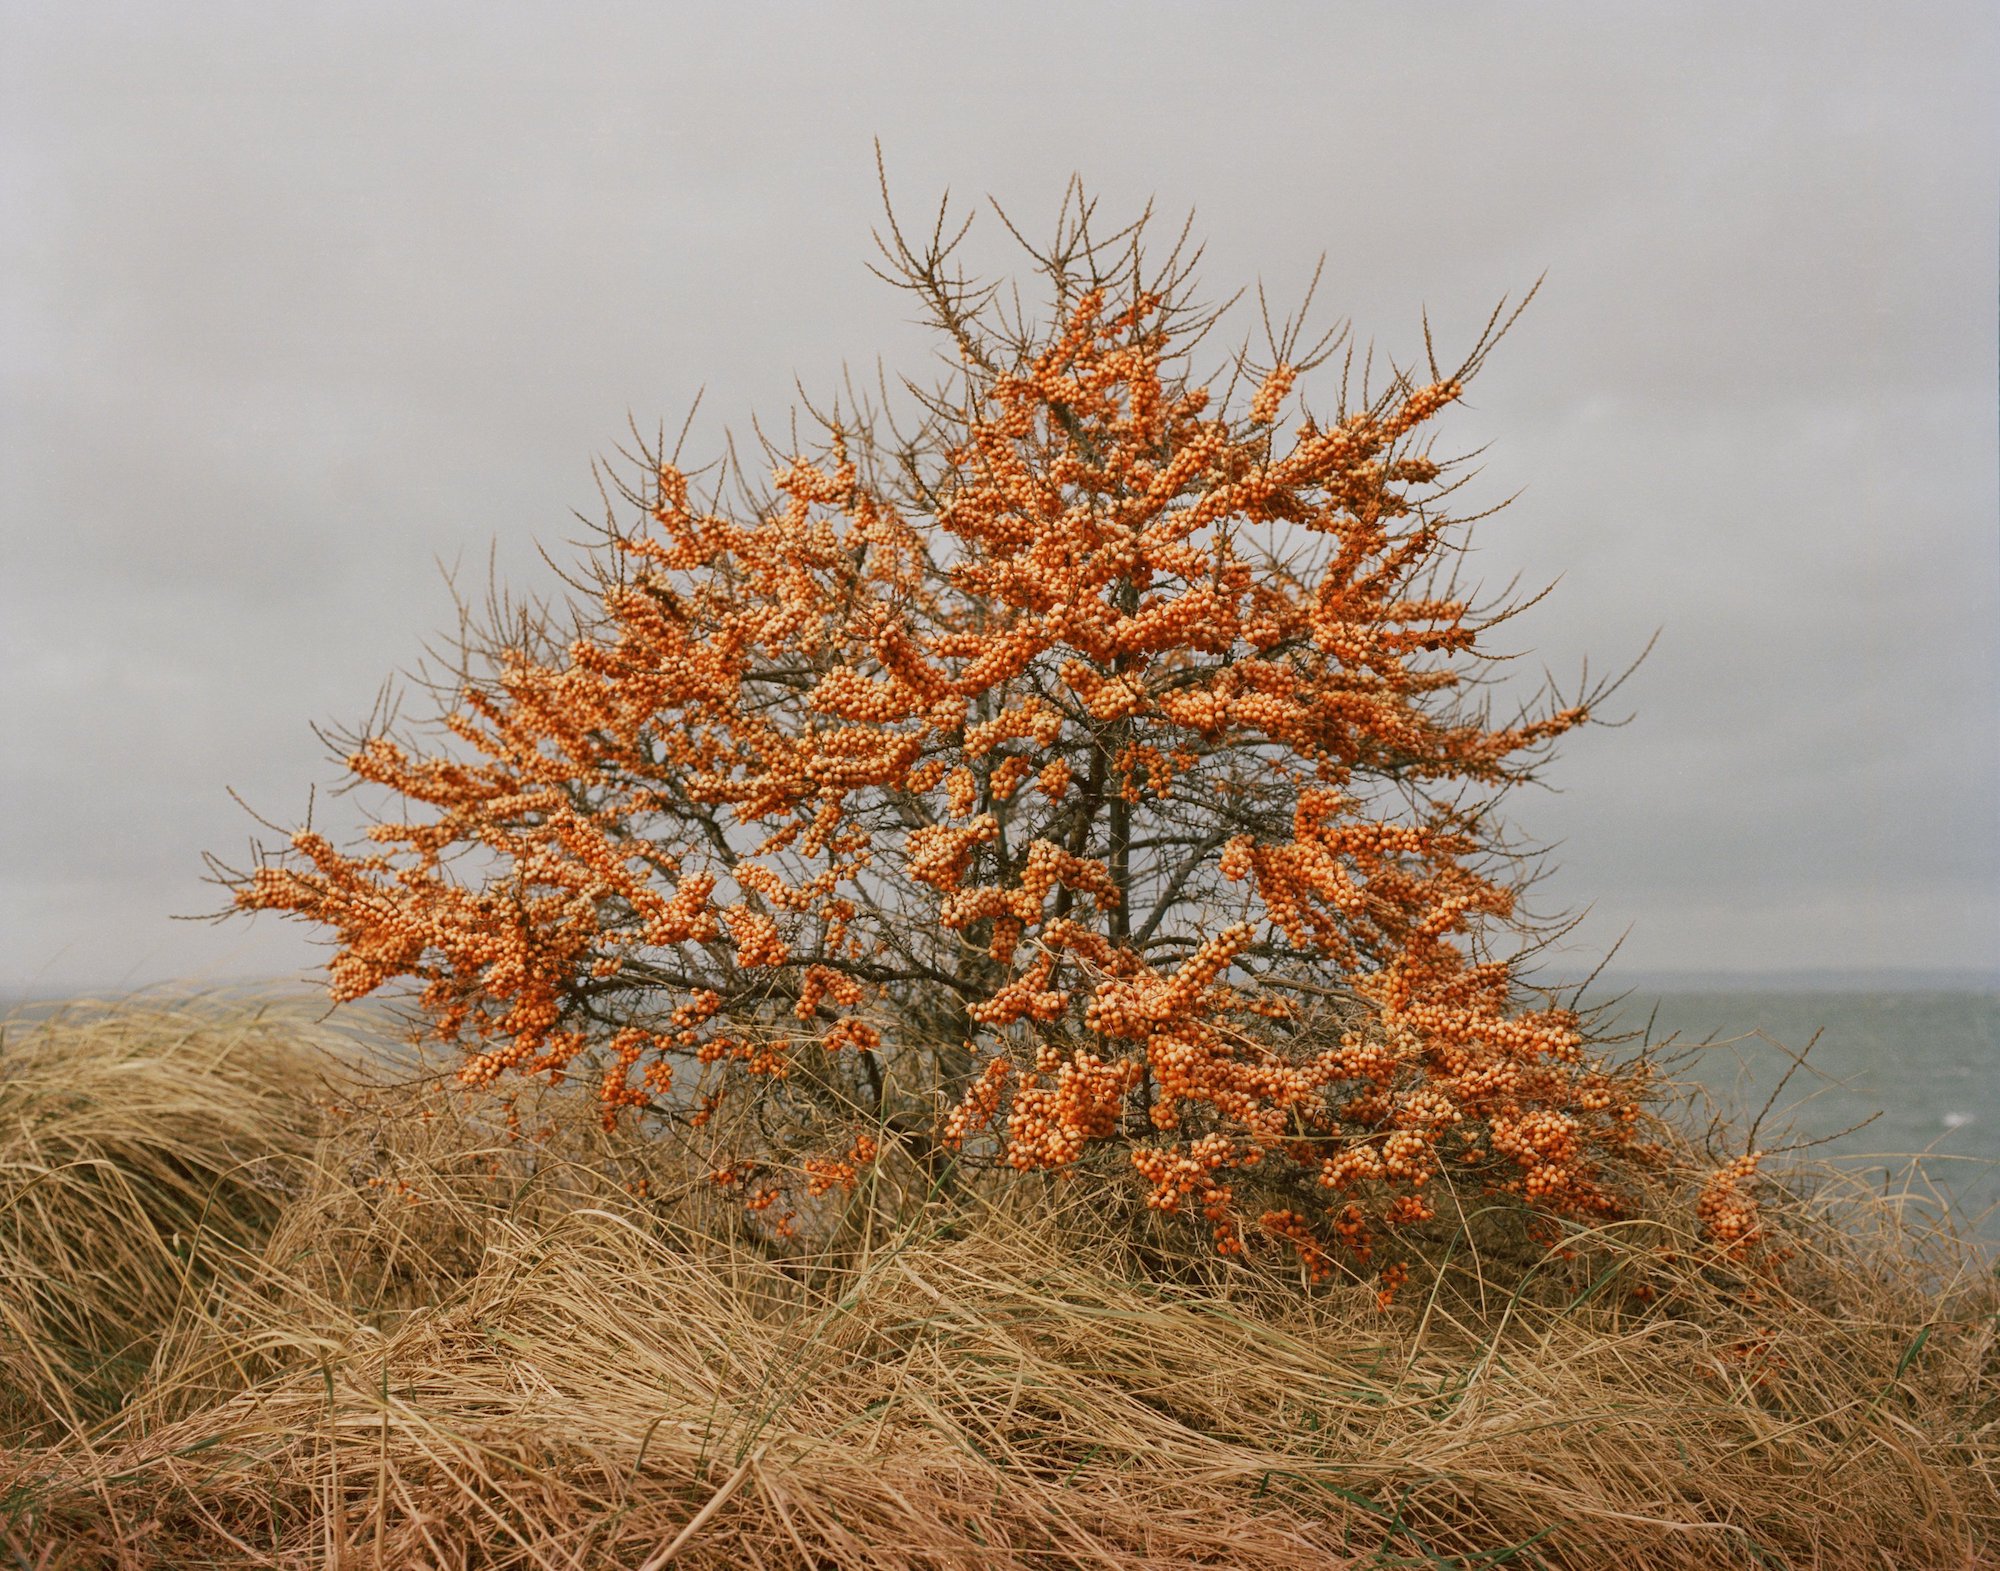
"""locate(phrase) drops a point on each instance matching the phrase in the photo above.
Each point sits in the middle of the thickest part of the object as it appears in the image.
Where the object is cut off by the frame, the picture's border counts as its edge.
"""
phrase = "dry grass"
(138, 1150)
(242, 1330)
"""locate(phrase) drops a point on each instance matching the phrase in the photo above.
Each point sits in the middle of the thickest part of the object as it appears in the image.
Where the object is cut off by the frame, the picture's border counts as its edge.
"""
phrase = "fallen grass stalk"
(262, 1311)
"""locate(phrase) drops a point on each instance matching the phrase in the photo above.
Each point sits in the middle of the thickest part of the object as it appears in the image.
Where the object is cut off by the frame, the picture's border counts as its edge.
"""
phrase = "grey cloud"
(296, 301)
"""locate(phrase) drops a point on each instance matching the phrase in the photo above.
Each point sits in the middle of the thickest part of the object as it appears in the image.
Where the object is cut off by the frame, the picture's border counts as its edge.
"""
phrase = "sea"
(1894, 1077)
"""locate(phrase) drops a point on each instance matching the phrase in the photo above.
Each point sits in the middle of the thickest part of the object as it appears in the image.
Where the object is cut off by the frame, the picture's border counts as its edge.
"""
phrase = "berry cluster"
(1728, 1212)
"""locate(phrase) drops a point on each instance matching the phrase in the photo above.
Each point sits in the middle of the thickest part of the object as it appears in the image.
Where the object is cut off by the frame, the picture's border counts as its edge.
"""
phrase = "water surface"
(1917, 1068)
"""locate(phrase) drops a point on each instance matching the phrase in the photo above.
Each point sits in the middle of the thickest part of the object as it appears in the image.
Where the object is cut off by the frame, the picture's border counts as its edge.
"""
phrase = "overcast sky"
(297, 300)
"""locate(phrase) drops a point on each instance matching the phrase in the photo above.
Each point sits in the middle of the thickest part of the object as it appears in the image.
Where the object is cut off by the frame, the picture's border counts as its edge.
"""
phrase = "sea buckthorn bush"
(1099, 758)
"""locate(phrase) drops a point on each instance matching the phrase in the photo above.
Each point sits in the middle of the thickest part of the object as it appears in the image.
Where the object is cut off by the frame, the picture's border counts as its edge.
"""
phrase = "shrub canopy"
(1100, 757)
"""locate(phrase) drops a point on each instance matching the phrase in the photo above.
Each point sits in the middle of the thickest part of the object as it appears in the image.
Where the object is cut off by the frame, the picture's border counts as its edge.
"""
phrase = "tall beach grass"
(270, 1299)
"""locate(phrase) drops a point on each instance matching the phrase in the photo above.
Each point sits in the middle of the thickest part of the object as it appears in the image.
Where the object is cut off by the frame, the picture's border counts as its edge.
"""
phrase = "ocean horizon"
(1891, 1075)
